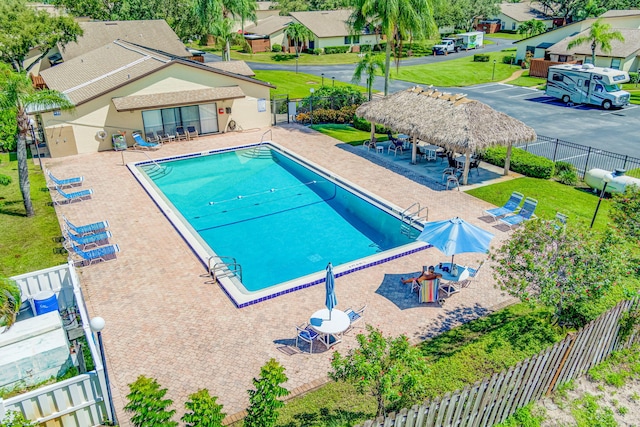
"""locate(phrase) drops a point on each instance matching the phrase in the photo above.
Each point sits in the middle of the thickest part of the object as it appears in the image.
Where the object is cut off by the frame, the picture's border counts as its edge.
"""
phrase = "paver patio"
(167, 320)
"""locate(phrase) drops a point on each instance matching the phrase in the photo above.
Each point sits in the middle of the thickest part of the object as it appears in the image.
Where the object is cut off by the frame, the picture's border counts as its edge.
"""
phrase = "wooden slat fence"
(493, 399)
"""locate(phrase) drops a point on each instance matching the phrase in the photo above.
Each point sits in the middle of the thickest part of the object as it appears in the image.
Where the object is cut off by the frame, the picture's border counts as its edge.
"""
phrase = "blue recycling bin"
(45, 302)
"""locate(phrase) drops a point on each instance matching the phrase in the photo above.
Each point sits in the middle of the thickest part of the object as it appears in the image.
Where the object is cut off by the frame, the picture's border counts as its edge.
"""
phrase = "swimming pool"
(281, 218)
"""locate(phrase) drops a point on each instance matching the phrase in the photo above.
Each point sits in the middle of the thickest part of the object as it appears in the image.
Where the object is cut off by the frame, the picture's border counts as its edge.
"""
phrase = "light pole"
(322, 79)
(607, 178)
(333, 81)
(493, 73)
(296, 65)
(311, 104)
(35, 141)
(97, 325)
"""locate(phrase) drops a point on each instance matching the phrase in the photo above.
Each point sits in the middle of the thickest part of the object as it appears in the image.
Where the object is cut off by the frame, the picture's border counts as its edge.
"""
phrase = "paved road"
(615, 130)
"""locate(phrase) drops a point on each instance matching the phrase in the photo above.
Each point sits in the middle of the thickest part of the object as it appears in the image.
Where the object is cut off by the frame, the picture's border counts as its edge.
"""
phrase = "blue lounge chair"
(86, 241)
(95, 227)
(139, 142)
(510, 207)
(60, 197)
(525, 214)
(103, 253)
(62, 183)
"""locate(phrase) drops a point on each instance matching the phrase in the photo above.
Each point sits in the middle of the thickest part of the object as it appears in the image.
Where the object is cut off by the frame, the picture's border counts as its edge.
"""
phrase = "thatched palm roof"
(448, 120)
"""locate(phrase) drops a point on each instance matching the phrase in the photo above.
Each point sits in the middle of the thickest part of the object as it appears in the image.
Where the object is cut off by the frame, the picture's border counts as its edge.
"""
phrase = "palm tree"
(532, 27)
(599, 34)
(17, 92)
(9, 302)
(299, 34)
(396, 19)
(369, 65)
(223, 32)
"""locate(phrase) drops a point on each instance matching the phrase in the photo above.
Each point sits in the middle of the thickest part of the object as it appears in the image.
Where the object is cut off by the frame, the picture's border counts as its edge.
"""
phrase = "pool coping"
(230, 284)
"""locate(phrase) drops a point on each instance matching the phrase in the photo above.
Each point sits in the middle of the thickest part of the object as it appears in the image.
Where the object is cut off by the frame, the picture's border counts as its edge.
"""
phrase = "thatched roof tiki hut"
(451, 121)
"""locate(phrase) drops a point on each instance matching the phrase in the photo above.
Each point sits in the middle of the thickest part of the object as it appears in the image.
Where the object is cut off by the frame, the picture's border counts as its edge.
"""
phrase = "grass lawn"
(290, 58)
(528, 81)
(347, 134)
(634, 90)
(457, 72)
(507, 36)
(26, 244)
(297, 85)
(552, 197)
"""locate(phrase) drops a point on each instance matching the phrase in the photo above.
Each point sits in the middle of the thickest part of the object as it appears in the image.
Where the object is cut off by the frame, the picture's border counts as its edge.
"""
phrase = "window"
(588, 60)
(513, 25)
(615, 63)
(599, 88)
(562, 58)
(202, 117)
(557, 77)
(352, 40)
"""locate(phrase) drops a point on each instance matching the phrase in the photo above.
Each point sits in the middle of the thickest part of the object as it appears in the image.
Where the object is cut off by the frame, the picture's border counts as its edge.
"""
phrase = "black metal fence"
(582, 156)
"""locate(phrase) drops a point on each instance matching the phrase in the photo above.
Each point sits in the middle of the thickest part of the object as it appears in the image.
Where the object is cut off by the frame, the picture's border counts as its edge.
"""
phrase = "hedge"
(633, 77)
(325, 115)
(521, 162)
(362, 124)
(336, 49)
(481, 57)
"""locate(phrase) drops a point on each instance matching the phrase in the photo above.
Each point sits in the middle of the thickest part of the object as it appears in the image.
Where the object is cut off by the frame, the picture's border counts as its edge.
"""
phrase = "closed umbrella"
(455, 236)
(331, 300)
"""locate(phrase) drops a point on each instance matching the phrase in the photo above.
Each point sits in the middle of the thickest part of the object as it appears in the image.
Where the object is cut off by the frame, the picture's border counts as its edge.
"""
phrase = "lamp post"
(607, 178)
(97, 325)
(333, 81)
(322, 79)
(311, 104)
(493, 73)
(35, 141)
(296, 65)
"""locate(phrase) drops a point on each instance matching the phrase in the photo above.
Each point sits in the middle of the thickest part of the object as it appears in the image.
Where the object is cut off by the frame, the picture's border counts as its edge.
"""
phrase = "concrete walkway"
(166, 319)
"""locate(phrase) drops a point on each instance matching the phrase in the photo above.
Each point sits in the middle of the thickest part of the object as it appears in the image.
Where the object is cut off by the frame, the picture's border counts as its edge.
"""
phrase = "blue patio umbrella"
(455, 236)
(331, 300)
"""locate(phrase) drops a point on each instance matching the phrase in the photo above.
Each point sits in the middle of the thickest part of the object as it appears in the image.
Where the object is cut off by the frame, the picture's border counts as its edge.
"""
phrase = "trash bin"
(45, 302)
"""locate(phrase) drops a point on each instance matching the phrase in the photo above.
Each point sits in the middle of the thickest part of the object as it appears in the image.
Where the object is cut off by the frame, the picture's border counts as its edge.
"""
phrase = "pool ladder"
(224, 266)
(411, 216)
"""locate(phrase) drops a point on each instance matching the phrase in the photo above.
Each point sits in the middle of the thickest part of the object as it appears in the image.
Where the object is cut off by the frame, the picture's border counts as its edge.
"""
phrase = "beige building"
(330, 28)
(552, 45)
(122, 87)
(512, 15)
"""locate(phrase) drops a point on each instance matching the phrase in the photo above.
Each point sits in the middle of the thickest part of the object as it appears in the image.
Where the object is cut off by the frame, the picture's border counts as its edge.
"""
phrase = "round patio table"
(329, 328)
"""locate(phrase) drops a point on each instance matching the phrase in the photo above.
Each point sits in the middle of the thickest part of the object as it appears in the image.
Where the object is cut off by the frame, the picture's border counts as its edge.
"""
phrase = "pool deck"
(166, 319)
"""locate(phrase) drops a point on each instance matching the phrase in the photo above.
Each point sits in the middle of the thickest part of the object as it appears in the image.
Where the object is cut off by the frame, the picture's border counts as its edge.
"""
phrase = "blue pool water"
(279, 219)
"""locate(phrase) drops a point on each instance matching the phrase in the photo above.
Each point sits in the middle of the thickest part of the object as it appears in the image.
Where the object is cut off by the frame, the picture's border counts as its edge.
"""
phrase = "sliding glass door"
(202, 117)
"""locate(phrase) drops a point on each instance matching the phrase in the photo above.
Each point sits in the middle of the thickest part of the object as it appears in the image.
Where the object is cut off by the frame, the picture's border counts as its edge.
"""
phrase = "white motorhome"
(586, 84)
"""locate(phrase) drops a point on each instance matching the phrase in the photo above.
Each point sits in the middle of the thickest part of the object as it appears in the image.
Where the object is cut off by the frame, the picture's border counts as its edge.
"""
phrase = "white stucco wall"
(100, 114)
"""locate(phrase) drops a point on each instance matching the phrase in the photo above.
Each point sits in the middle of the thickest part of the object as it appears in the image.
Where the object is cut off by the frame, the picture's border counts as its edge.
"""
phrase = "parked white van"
(586, 84)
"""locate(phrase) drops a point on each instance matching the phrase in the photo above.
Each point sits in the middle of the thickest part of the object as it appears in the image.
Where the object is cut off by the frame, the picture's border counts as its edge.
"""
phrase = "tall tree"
(223, 32)
(16, 93)
(462, 13)
(590, 10)
(532, 27)
(147, 404)
(203, 411)
(23, 28)
(600, 34)
(299, 34)
(397, 19)
(369, 65)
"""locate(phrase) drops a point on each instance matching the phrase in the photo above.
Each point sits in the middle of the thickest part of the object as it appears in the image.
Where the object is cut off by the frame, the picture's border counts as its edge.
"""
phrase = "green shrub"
(634, 77)
(481, 57)
(362, 124)
(276, 48)
(336, 49)
(566, 173)
(521, 162)
(509, 59)
(317, 51)
(366, 48)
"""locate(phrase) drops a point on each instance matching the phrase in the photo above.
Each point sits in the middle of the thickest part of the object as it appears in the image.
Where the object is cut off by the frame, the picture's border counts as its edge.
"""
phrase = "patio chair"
(369, 144)
(429, 291)
(86, 241)
(453, 180)
(354, 316)
(473, 275)
(181, 134)
(168, 137)
(525, 213)
(63, 183)
(60, 197)
(510, 207)
(395, 145)
(139, 142)
(306, 334)
(95, 227)
(192, 132)
(103, 253)
(561, 220)
(154, 137)
(475, 164)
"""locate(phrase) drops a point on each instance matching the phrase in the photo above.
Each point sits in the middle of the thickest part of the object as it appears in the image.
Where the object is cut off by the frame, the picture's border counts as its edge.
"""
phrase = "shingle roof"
(236, 67)
(617, 13)
(524, 11)
(155, 34)
(113, 65)
(269, 25)
(619, 49)
(184, 97)
(266, 5)
(325, 23)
